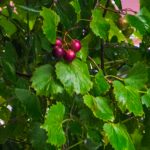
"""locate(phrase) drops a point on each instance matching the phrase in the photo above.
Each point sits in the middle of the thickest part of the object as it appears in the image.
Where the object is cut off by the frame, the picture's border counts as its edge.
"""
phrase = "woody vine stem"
(102, 41)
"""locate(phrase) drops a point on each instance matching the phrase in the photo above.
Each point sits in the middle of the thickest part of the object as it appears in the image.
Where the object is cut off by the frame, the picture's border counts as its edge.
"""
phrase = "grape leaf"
(44, 83)
(115, 31)
(146, 99)
(128, 98)
(144, 4)
(118, 3)
(118, 136)
(2, 100)
(77, 8)
(9, 70)
(138, 23)
(8, 26)
(99, 107)
(38, 137)
(83, 53)
(74, 76)
(144, 16)
(100, 85)
(30, 102)
(137, 76)
(68, 18)
(53, 124)
(99, 25)
(50, 23)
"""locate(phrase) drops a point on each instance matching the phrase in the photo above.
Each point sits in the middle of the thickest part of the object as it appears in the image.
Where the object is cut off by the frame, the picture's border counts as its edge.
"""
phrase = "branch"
(92, 60)
(123, 11)
(102, 41)
(23, 75)
(106, 6)
(80, 142)
(28, 28)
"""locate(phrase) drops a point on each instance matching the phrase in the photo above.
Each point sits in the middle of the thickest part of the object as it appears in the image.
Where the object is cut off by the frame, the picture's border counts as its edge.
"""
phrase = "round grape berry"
(69, 55)
(58, 52)
(58, 42)
(75, 45)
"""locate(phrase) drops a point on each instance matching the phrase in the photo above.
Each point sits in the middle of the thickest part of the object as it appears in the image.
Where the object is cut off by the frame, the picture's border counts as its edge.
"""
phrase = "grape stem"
(66, 120)
(112, 76)
(76, 144)
(94, 63)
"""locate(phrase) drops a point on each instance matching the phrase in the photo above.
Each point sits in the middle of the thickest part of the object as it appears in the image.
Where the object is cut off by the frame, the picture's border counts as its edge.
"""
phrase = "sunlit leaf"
(99, 25)
(99, 106)
(50, 23)
(74, 76)
(118, 136)
(115, 31)
(44, 82)
(146, 99)
(128, 98)
(53, 124)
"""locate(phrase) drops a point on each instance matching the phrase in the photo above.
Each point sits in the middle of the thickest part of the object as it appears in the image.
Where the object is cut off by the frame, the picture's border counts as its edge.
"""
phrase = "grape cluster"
(68, 54)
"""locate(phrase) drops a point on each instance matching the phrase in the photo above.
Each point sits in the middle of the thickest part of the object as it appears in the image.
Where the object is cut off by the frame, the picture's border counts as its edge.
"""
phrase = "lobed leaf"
(99, 106)
(74, 76)
(146, 99)
(99, 25)
(50, 23)
(118, 136)
(128, 98)
(44, 83)
(30, 102)
(101, 85)
(53, 124)
(137, 76)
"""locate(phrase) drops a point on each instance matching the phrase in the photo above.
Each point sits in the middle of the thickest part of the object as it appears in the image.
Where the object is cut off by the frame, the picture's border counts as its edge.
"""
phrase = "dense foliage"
(87, 90)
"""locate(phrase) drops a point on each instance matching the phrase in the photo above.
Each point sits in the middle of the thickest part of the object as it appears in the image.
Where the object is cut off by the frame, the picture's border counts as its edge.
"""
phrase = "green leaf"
(137, 76)
(50, 23)
(44, 83)
(77, 8)
(44, 42)
(136, 22)
(30, 102)
(144, 16)
(38, 137)
(9, 71)
(53, 124)
(2, 100)
(115, 31)
(101, 85)
(8, 26)
(99, 107)
(5, 114)
(118, 3)
(118, 136)
(68, 18)
(128, 98)
(146, 99)
(83, 53)
(144, 3)
(9, 54)
(137, 137)
(99, 25)
(74, 76)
